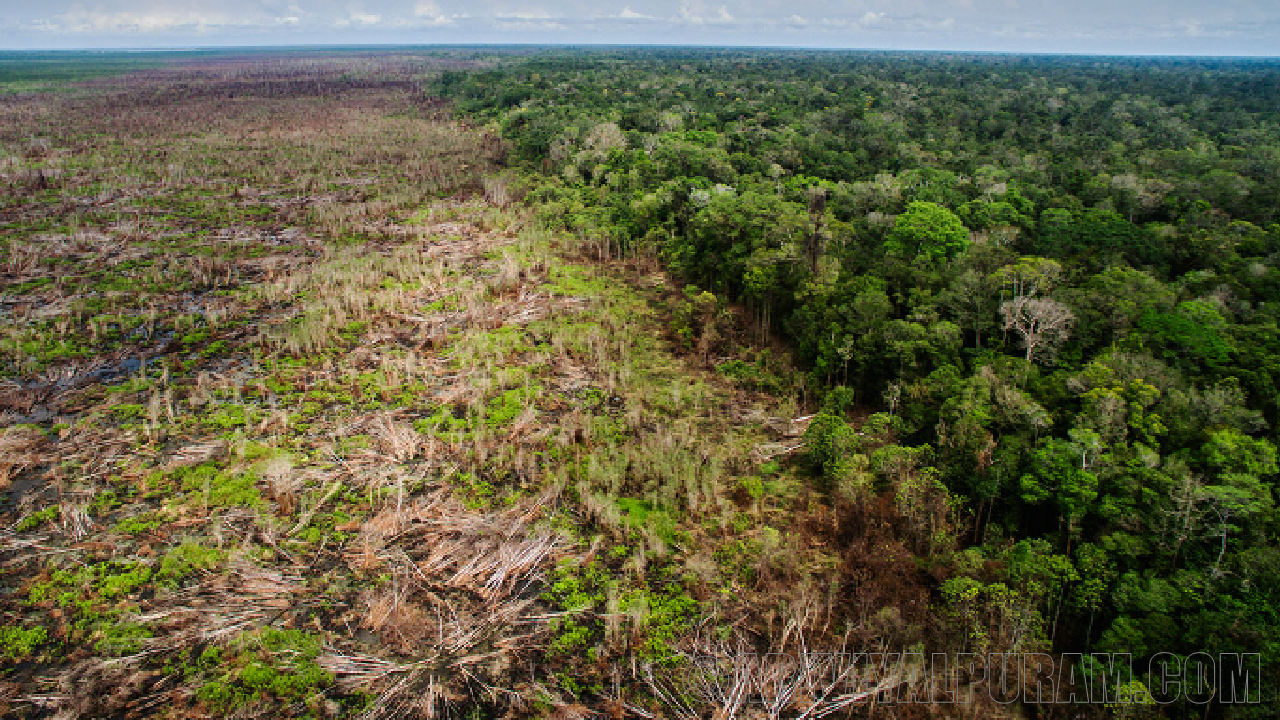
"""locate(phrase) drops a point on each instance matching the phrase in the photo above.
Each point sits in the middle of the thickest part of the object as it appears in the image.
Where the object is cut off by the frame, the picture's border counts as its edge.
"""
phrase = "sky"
(1124, 27)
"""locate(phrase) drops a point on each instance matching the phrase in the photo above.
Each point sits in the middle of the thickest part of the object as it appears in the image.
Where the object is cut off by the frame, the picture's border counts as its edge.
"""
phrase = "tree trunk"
(813, 246)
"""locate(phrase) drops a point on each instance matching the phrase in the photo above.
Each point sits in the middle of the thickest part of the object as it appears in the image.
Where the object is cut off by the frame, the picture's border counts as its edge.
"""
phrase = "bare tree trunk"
(813, 246)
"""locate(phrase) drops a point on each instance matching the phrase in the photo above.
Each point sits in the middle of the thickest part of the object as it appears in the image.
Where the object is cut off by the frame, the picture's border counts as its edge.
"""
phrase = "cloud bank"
(1235, 27)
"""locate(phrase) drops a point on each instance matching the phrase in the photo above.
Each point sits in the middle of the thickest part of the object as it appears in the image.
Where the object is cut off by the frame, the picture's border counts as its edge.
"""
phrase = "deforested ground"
(303, 415)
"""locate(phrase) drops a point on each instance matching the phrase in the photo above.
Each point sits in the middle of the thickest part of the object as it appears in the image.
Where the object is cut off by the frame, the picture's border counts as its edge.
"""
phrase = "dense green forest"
(1034, 298)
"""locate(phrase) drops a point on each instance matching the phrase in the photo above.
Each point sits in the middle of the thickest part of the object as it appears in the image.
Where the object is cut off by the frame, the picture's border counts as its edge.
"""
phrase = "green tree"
(730, 228)
(1062, 475)
(829, 443)
(1191, 337)
(928, 229)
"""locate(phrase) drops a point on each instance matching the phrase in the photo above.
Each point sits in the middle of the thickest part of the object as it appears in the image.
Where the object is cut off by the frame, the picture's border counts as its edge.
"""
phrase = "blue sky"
(1197, 27)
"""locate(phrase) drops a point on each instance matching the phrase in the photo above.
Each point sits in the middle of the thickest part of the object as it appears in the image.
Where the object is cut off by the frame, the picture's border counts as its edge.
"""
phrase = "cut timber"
(768, 451)
(789, 428)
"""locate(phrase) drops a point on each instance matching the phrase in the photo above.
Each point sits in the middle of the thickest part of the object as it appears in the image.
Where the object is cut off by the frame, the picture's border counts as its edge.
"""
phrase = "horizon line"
(633, 45)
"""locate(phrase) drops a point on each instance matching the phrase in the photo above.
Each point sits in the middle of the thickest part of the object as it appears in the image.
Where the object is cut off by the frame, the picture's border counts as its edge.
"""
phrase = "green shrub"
(214, 488)
(278, 663)
(185, 559)
(121, 638)
(38, 518)
(139, 524)
(122, 584)
(18, 643)
(829, 441)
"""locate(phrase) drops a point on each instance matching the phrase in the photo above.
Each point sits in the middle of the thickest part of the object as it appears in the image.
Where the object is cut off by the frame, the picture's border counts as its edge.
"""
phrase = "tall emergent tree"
(928, 229)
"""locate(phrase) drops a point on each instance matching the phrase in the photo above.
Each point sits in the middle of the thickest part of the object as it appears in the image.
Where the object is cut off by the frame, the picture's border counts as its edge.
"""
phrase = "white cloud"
(629, 14)
(525, 15)
(697, 12)
(1192, 27)
(528, 20)
(79, 19)
(882, 22)
(357, 17)
(530, 25)
(431, 12)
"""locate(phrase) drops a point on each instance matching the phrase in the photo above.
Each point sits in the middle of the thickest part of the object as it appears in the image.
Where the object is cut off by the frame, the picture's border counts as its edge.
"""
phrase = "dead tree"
(1043, 323)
